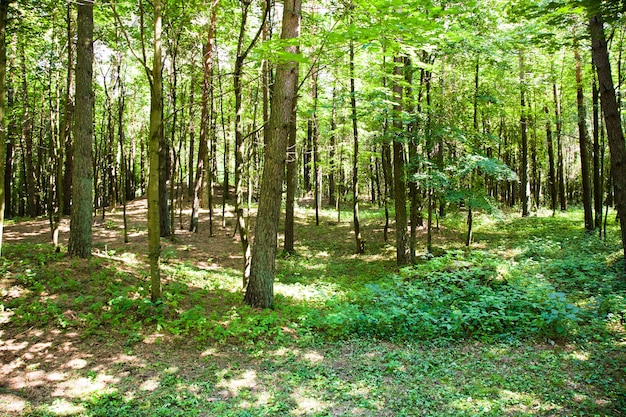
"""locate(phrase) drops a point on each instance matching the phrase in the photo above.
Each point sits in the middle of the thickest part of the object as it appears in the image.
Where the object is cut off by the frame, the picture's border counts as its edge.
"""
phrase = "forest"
(321, 208)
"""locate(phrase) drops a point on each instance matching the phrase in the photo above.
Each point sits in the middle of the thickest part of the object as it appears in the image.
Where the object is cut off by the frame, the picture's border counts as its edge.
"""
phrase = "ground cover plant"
(527, 321)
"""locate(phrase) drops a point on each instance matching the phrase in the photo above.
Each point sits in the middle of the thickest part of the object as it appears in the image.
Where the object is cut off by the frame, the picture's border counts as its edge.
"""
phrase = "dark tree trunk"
(612, 121)
(403, 256)
(360, 244)
(551, 171)
(559, 145)
(80, 223)
(4, 5)
(524, 183)
(331, 154)
(202, 162)
(597, 166)
(583, 141)
(260, 289)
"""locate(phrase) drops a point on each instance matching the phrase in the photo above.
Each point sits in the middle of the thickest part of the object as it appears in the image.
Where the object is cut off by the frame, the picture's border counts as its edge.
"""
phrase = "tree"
(403, 256)
(610, 109)
(360, 244)
(156, 133)
(583, 140)
(260, 289)
(4, 6)
(82, 195)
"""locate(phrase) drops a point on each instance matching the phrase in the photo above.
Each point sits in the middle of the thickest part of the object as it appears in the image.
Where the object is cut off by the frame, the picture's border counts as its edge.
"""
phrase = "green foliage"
(457, 296)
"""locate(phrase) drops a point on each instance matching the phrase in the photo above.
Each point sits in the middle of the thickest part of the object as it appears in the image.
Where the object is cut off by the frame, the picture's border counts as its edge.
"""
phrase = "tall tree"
(403, 256)
(360, 244)
(82, 198)
(583, 141)
(612, 121)
(202, 163)
(4, 6)
(156, 133)
(524, 183)
(260, 289)
(240, 145)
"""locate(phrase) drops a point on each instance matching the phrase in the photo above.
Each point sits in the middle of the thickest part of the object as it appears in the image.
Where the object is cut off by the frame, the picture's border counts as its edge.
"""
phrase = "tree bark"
(156, 131)
(583, 141)
(260, 289)
(612, 121)
(82, 196)
(524, 184)
(560, 161)
(403, 257)
(4, 5)
(360, 244)
(551, 171)
(291, 180)
(597, 166)
(202, 162)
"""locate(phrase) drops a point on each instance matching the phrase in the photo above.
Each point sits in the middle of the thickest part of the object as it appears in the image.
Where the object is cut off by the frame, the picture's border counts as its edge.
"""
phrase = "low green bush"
(453, 298)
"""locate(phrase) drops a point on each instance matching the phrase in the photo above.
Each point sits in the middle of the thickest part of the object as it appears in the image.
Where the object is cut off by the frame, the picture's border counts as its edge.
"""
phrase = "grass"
(528, 322)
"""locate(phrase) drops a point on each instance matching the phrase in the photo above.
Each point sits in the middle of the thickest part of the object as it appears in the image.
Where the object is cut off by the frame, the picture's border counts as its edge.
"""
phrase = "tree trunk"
(317, 169)
(80, 222)
(597, 166)
(260, 289)
(291, 184)
(32, 202)
(403, 256)
(612, 121)
(4, 5)
(240, 145)
(331, 152)
(67, 118)
(360, 244)
(583, 141)
(202, 167)
(551, 172)
(524, 184)
(560, 161)
(156, 131)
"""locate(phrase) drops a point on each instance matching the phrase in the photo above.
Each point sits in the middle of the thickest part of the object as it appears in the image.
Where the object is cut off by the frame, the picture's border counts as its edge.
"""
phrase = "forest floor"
(529, 321)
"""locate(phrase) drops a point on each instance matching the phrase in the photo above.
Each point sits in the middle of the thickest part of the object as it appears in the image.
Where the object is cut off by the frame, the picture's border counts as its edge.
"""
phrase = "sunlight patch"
(149, 385)
(76, 364)
(10, 403)
(307, 405)
(313, 357)
(62, 407)
(248, 380)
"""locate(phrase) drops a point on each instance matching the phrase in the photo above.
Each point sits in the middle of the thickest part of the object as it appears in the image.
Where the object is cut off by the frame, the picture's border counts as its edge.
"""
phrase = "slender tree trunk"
(597, 169)
(583, 141)
(551, 171)
(202, 167)
(156, 131)
(68, 117)
(331, 153)
(360, 244)
(291, 183)
(559, 147)
(80, 223)
(414, 197)
(612, 121)
(317, 169)
(192, 143)
(240, 145)
(524, 183)
(260, 289)
(32, 206)
(4, 5)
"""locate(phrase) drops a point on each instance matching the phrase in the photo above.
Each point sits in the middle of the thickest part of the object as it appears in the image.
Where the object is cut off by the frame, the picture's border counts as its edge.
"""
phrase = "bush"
(453, 300)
